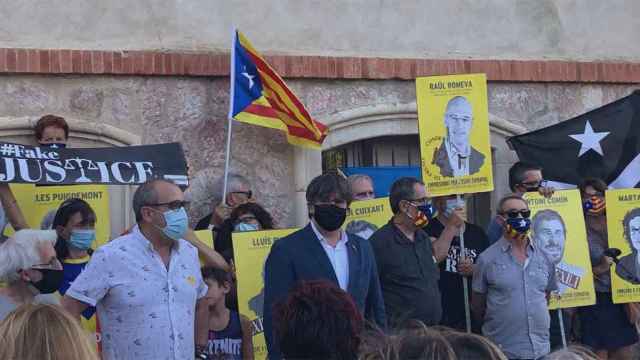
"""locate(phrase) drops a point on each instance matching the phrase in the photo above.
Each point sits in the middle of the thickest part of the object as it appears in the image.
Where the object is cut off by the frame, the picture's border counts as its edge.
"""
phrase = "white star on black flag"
(603, 143)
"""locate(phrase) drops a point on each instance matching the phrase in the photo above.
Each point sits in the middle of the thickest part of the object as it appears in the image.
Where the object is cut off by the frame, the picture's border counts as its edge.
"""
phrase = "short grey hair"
(145, 195)
(235, 182)
(352, 179)
(21, 252)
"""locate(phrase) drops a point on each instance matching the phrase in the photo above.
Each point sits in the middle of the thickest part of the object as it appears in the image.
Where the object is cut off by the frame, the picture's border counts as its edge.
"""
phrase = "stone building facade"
(157, 71)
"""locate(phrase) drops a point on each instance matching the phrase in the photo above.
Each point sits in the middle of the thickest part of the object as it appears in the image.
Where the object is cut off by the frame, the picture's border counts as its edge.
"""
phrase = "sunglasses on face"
(172, 205)
(513, 214)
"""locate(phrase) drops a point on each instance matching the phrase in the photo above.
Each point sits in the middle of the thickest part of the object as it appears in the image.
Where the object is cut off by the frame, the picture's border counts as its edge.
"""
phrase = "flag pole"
(465, 280)
(232, 80)
(561, 322)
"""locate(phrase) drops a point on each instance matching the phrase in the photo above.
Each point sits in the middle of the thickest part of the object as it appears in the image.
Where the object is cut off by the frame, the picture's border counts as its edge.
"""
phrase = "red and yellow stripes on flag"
(278, 107)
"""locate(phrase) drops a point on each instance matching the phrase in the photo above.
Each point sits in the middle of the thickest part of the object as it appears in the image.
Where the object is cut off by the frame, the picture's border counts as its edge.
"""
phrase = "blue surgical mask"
(82, 239)
(451, 205)
(177, 223)
(246, 227)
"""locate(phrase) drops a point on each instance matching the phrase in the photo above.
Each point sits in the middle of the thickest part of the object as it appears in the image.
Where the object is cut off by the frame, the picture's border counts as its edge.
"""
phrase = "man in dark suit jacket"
(441, 159)
(322, 251)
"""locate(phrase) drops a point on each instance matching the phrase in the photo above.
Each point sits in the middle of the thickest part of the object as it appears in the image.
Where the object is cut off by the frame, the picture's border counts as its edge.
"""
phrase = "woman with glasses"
(606, 327)
(29, 268)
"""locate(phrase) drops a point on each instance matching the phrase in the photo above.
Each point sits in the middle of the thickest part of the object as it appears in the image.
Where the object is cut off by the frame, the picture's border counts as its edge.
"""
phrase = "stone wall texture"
(193, 111)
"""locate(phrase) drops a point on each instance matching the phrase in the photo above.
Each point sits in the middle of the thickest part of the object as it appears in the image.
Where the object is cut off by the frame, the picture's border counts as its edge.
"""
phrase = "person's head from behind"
(592, 192)
(631, 226)
(409, 202)
(549, 234)
(250, 217)
(471, 347)
(458, 119)
(447, 204)
(318, 320)
(361, 187)
(238, 190)
(572, 352)
(75, 223)
(417, 341)
(52, 131)
(328, 197)
(44, 332)
(525, 177)
(514, 216)
(160, 211)
(28, 259)
(219, 283)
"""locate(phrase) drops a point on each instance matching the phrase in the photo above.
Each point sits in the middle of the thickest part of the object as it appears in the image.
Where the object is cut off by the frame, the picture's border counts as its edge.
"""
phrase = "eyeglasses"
(246, 219)
(248, 194)
(337, 202)
(54, 264)
(513, 214)
(422, 201)
(532, 184)
(364, 194)
(172, 205)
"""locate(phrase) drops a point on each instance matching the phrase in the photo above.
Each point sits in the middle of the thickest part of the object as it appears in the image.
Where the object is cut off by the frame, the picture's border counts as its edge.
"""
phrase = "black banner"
(128, 165)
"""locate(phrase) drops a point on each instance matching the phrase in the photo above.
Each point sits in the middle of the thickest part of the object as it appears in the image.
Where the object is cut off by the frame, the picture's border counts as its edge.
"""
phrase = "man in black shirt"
(453, 266)
(406, 263)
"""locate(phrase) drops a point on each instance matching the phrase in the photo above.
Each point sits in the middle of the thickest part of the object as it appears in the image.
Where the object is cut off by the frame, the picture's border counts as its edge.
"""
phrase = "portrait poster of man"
(250, 250)
(558, 230)
(42, 202)
(453, 122)
(367, 216)
(623, 226)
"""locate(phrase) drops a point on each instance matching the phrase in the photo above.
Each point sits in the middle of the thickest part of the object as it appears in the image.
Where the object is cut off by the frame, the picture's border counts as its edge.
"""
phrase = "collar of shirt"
(506, 245)
(341, 243)
(144, 242)
(459, 162)
(401, 238)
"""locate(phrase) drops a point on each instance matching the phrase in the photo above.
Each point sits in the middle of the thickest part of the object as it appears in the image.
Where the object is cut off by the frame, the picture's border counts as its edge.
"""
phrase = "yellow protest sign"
(39, 204)
(250, 252)
(558, 229)
(453, 121)
(367, 216)
(623, 227)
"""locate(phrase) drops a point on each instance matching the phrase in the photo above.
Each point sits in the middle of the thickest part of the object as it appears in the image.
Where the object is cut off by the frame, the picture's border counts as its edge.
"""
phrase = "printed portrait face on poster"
(454, 134)
(623, 225)
(558, 231)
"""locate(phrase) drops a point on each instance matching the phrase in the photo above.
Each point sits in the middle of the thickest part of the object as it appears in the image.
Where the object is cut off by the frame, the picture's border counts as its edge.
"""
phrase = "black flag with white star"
(603, 143)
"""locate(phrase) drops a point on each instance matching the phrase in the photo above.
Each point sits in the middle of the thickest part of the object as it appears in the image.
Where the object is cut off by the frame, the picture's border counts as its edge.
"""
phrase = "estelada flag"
(259, 96)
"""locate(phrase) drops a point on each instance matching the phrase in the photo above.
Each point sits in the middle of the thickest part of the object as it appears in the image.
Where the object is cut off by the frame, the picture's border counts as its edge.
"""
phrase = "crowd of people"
(397, 293)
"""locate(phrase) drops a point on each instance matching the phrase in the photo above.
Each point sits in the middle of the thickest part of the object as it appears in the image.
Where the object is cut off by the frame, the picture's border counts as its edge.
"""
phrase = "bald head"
(154, 192)
(458, 119)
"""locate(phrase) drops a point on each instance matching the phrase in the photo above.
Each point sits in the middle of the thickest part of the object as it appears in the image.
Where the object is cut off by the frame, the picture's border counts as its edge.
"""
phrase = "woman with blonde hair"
(44, 332)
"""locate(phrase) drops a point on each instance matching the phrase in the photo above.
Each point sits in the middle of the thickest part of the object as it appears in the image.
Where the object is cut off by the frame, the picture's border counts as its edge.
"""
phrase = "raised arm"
(11, 208)
(208, 255)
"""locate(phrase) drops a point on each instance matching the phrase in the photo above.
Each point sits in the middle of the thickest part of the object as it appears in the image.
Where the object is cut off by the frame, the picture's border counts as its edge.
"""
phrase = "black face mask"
(51, 280)
(329, 217)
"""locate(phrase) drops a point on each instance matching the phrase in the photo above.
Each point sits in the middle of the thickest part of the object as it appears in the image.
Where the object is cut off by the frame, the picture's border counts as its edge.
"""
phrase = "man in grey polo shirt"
(512, 281)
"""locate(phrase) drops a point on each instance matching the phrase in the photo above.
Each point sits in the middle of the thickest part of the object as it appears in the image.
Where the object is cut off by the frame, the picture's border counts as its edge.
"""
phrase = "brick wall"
(55, 61)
